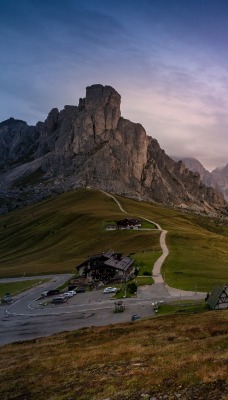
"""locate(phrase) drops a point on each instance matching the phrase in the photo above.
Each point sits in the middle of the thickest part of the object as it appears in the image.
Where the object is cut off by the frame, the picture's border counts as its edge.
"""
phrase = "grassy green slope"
(56, 235)
(59, 233)
(198, 246)
(15, 288)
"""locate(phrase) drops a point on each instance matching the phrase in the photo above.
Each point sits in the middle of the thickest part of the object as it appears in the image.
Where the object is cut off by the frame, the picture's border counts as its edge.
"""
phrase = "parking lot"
(30, 317)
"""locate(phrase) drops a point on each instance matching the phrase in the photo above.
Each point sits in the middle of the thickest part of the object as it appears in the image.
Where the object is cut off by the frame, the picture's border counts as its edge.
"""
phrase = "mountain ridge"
(92, 144)
(218, 178)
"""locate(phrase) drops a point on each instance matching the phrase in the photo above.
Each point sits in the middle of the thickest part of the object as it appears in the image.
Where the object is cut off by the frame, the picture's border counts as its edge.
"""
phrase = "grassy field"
(145, 260)
(15, 288)
(56, 235)
(198, 245)
(144, 280)
(169, 355)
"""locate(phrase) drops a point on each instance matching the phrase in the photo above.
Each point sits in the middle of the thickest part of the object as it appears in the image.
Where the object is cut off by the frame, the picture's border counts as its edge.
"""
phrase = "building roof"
(110, 259)
(109, 253)
(122, 264)
(215, 295)
(128, 221)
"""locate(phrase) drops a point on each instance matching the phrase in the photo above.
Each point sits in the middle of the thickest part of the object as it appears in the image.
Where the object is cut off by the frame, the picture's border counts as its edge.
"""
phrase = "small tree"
(132, 287)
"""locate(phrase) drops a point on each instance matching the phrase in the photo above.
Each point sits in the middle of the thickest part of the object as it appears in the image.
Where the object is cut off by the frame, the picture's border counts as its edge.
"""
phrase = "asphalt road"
(28, 318)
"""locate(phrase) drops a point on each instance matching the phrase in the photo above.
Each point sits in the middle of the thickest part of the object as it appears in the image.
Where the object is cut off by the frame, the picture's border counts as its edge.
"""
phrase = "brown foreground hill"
(169, 357)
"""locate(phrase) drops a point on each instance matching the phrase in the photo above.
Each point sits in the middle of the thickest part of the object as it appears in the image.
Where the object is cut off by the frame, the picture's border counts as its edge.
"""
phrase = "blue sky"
(167, 58)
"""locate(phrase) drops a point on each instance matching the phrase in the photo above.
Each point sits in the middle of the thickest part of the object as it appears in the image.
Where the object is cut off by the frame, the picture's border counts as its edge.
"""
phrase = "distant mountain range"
(92, 145)
(218, 178)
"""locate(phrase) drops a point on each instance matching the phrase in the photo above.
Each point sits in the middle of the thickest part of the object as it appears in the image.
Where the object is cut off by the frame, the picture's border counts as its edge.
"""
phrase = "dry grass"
(121, 361)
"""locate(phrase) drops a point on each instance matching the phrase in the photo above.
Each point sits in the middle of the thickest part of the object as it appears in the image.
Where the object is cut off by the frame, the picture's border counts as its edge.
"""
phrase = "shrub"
(132, 287)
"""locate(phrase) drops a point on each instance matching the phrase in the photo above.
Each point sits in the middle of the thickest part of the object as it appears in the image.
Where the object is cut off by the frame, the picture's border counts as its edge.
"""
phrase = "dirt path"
(156, 272)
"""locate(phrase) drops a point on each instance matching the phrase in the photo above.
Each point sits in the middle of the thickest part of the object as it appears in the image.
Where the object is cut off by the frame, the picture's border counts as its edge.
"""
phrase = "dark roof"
(215, 295)
(109, 253)
(127, 221)
(96, 257)
(122, 264)
(110, 259)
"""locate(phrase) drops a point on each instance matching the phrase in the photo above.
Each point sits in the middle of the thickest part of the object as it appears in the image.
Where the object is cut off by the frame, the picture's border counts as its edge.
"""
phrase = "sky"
(168, 59)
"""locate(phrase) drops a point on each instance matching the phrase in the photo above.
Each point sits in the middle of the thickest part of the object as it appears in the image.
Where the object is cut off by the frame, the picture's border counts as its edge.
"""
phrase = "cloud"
(167, 59)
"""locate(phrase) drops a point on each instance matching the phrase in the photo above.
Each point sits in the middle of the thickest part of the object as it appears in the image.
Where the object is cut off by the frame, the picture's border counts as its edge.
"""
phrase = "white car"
(110, 290)
(72, 292)
(68, 294)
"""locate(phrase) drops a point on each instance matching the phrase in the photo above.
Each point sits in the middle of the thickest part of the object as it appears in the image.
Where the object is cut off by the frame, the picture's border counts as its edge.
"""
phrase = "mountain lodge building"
(107, 267)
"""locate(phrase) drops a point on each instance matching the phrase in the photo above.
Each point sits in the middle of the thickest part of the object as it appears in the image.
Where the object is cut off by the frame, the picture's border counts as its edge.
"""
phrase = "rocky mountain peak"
(103, 105)
(224, 170)
(51, 121)
(99, 95)
(12, 124)
(91, 144)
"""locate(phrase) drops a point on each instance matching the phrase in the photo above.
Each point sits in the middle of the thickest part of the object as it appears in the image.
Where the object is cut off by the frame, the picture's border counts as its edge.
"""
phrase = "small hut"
(218, 298)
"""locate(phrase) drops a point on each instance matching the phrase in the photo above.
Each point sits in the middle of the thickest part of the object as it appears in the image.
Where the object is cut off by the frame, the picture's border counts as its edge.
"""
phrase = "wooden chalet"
(218, 298)
(107, 267)
(128, 223)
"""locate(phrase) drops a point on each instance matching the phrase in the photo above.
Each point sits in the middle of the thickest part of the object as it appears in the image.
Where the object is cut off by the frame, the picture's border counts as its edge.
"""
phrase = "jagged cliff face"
(18, 143)
(218, 178)
(194, 165)
(91, 144)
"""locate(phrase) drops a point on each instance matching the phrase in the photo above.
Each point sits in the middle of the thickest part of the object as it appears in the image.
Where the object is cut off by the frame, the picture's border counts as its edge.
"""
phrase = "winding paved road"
(29, 318)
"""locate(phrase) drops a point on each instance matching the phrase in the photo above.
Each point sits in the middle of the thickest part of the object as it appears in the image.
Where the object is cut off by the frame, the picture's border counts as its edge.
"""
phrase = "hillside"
(173, 357)
(57, 234)
(92, 144)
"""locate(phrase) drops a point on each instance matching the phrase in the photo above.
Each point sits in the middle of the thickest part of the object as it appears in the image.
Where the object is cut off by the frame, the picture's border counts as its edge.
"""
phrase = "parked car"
(7, 299)
(68, 294)
(58, 300)
(80, 289)
(52, 291)
(71, 287)
(110, 290)
(135, 317)
(49, 293)
(72, 292)
(44, 294)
